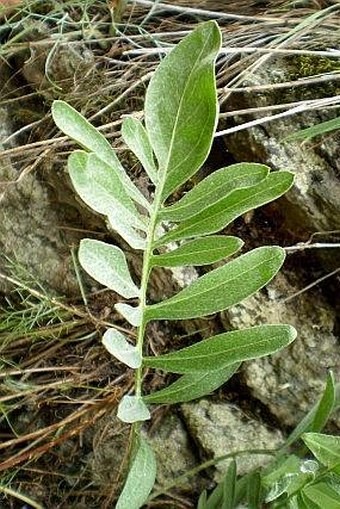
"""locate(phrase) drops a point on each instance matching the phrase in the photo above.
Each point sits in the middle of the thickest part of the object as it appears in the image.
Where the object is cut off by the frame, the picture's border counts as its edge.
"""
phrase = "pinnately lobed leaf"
(74, 125)
(181, 112)
(224, 349)
(222, 287)
(193, 386)
(202, 251)
(181, 107)
(140, 479)
(213, 188)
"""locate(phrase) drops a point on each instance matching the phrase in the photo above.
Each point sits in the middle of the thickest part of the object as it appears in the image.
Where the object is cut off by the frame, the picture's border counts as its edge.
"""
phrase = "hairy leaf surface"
(192, 386)
(217, 216)
(222, 287)
(101, 189)
(140, 479)
(132, 409)
(132, 314)
(204, 251)
(118, 222)
(136, 138)
(223, 349)
(117, 199)
(213, 188)
(118, 346)
(74, 125)
(107, 265)
(181, 107)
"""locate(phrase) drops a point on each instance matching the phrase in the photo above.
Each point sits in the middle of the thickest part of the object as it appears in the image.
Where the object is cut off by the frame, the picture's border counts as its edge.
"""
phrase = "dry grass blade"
(57, 385)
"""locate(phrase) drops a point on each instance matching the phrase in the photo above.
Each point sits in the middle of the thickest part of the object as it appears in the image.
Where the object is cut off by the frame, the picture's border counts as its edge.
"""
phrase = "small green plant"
(303, 479)
(181, 111)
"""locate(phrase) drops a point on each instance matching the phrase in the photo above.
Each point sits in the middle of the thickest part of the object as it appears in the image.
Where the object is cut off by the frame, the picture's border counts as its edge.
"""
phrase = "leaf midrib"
(214, 354)
(185, 298)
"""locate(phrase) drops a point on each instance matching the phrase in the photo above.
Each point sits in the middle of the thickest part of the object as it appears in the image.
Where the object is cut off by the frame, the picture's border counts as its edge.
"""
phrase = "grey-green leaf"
(74, 125)
(181, 107)
(118, 346)
(133, 409)
(105, 181)
(98, 186)
(192, 386)
(107, 265)
(118, 222)
(222, 287)
(227, 348)
(217, 216)
(136, 138)
(140, 479)
(213, 188)
(131, 314)
(202, 251)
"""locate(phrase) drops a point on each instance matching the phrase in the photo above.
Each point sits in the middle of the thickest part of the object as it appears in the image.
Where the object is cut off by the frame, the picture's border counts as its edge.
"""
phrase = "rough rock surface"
(171, 444)
(312, 205)
(291, 381)
(29, 233)
(221, 428)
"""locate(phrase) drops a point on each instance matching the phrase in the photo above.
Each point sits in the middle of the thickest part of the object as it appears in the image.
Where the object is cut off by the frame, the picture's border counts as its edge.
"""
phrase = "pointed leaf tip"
(222, 287)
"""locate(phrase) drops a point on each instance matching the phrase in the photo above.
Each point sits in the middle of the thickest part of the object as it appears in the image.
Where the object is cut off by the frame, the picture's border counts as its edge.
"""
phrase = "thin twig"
(301, 246)
(19, 372)
(304, 106)
(206, 13)
(311, 285)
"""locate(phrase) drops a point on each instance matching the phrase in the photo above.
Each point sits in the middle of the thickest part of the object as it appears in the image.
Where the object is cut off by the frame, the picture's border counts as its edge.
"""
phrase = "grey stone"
(290, 381)
(221, 428)
(312, 205)
(174, 454)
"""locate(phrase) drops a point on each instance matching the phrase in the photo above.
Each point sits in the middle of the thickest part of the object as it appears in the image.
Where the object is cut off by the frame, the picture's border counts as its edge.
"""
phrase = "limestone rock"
(221, 428)
(291, 381)
(174, 455)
